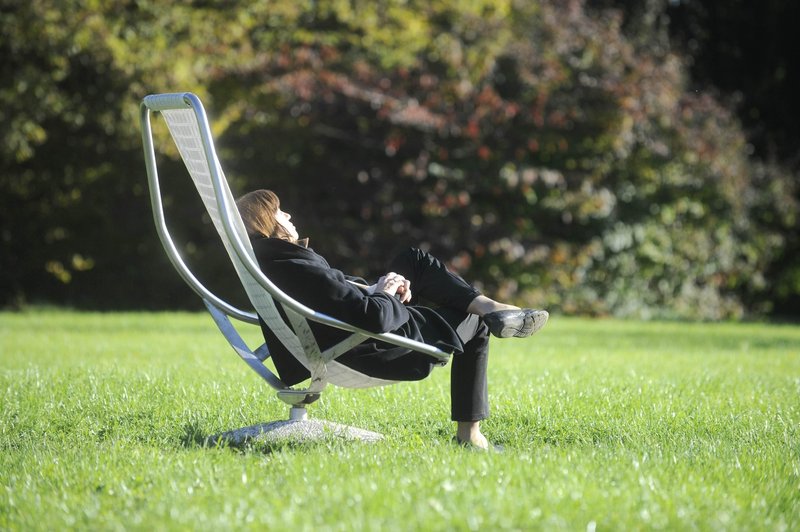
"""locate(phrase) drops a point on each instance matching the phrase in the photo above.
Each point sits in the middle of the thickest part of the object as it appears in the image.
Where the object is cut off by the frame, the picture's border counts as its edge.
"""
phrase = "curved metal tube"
(161, 225)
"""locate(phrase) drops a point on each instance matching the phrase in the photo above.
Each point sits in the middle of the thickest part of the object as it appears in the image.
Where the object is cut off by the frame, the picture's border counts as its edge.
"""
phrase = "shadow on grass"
(194, 436)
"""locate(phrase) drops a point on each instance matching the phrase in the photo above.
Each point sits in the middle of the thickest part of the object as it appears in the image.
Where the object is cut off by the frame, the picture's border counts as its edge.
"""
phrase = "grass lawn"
(608, 425)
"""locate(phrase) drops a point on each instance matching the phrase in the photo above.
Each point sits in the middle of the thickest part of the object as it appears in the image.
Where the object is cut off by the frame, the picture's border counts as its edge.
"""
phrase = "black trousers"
(433, 285)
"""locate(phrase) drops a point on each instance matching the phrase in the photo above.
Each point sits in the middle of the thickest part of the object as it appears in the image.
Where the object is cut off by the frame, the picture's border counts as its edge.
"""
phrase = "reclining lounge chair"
(189, 128)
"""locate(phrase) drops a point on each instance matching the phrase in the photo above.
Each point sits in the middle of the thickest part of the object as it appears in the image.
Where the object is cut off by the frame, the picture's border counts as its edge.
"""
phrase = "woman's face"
(283, 218)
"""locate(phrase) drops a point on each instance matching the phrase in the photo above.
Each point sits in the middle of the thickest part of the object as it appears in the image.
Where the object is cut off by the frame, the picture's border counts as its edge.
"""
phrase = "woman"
(455, 316)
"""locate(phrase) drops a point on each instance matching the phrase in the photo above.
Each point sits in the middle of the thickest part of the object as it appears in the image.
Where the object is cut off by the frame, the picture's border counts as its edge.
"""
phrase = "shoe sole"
(532, 322)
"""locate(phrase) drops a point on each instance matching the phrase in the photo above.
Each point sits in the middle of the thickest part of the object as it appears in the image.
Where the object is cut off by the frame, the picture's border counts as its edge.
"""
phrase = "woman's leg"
(469, 393)
(468, 383)
(463, 306)
(432, 282)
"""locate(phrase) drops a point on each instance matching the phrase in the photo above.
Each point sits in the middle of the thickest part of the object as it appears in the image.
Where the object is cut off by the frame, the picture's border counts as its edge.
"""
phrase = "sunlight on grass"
(607, 424)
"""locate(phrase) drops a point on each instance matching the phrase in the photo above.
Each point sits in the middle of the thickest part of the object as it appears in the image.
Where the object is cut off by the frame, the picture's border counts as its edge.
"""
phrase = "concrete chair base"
(297, 429)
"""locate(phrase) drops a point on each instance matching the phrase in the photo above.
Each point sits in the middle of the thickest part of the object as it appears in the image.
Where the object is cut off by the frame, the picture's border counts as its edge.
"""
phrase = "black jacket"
(307, 277)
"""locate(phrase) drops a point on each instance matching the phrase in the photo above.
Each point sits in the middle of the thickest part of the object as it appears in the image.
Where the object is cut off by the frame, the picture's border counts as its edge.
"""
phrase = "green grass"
(611, 425)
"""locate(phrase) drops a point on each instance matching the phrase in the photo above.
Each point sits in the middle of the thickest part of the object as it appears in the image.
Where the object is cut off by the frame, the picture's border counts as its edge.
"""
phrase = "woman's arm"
(326, 290)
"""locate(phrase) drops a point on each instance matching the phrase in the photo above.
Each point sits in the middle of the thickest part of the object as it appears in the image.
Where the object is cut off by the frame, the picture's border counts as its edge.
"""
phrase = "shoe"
(493, 448)
(517, 323)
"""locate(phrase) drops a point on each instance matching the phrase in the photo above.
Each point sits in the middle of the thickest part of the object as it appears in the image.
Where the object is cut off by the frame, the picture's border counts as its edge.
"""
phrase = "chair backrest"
(188, 125)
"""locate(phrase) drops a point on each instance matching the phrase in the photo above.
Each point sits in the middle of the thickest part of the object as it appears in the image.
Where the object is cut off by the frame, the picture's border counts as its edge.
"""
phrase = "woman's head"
(262, 215)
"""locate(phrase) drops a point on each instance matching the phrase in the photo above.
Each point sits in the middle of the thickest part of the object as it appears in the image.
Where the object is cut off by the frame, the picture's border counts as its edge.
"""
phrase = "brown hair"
(258, 210)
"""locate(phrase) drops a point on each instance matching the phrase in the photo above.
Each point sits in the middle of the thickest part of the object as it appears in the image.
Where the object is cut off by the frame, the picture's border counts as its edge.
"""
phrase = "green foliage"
(533, 146)
(626, 425)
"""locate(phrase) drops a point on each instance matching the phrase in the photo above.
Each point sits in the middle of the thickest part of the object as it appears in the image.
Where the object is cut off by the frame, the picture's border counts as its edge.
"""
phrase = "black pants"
(433, 285)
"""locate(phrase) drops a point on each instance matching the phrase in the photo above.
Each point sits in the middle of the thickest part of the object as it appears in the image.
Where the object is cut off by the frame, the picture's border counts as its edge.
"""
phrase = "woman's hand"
(394, 284)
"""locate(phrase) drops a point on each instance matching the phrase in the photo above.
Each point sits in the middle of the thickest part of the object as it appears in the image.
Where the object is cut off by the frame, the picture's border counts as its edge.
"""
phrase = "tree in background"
(742, 52)
(537, 147)
(75, 217)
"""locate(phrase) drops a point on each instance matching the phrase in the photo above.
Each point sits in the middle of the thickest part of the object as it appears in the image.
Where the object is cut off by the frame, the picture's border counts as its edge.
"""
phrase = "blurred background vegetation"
(605, 158)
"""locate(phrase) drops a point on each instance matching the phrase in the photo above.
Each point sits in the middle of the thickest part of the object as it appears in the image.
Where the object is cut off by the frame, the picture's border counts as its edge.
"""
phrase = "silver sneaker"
(516, 323)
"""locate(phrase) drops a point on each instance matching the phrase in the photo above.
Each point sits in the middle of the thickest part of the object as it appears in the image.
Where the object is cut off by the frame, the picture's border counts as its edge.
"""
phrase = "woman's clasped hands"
(394, 284)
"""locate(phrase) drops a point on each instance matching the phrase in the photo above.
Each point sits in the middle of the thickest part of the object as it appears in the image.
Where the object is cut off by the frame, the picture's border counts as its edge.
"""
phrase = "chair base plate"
(293, 431)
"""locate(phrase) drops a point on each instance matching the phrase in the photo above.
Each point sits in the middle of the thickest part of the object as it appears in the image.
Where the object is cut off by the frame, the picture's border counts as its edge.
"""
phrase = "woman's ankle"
(470, 432)
(483, 305)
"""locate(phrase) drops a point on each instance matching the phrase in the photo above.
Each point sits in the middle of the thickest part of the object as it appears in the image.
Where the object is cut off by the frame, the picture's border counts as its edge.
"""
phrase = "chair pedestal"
(297, 429)
(298, 413)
